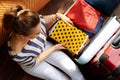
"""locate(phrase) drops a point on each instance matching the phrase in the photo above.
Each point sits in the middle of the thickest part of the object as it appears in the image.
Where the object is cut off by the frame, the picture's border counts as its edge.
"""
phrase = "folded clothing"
(83, 15)
(104, 6)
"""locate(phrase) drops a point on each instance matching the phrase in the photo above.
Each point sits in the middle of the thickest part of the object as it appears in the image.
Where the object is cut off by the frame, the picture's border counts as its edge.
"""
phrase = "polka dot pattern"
(71, 36)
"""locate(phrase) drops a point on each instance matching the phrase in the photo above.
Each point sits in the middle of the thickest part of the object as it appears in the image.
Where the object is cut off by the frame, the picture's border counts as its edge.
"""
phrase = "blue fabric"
(97, 28)
(104, 6)
(99, 24)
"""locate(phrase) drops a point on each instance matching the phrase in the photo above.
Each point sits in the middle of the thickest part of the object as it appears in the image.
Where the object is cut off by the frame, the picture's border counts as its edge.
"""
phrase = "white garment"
(67, 68)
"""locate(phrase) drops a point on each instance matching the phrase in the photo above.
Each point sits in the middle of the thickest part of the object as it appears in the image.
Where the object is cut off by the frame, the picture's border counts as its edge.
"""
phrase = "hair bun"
(10, 17)
(17, 8)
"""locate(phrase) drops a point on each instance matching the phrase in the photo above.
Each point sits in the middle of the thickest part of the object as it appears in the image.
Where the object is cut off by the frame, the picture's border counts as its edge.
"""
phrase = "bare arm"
(49, 51)
(50, 19)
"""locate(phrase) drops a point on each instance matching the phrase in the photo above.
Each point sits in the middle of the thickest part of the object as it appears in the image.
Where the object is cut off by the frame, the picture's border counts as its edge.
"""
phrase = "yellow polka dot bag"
(73, 38)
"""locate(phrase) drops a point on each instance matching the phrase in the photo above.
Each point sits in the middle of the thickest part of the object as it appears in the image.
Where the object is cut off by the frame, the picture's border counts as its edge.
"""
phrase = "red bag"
(83, 15)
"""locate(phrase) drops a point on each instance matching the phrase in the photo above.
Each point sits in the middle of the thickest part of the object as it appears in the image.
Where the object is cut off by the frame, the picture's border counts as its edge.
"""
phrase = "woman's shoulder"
(43, 26)
(15, 46)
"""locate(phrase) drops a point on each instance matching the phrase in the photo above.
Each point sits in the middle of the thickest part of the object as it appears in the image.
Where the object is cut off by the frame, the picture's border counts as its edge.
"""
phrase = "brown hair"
(20, 21)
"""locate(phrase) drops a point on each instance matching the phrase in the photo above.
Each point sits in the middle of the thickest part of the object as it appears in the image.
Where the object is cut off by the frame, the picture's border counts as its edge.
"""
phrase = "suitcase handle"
(116, 42)
(118, 18)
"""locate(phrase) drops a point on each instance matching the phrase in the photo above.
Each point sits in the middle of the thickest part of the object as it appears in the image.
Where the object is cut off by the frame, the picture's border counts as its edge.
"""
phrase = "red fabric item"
(83, 15)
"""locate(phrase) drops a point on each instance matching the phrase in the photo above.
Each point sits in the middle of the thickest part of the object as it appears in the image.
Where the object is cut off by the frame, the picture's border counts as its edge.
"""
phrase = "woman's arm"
(50, 19)
(50, 50)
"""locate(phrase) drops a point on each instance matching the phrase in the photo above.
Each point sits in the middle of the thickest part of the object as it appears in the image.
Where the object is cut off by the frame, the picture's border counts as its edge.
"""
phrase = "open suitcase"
(74, 37)
(111, 56)
(96, 58)
(99, 40)
(106, 64)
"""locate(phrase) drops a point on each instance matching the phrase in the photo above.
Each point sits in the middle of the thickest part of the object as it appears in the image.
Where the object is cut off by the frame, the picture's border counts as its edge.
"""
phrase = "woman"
(28, 46)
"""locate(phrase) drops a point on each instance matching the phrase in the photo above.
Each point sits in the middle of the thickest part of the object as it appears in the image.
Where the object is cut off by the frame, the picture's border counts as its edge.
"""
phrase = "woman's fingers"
(65, 19)
(68, 22)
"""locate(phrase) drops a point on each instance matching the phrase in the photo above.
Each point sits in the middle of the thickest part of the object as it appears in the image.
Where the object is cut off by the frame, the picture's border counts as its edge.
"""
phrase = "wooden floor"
(9, 70)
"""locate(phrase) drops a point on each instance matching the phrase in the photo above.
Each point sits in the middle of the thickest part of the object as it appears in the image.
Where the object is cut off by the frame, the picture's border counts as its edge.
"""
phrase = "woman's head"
(21, 21)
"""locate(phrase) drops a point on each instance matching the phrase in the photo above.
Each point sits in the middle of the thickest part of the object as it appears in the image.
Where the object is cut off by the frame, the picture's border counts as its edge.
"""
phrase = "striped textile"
(32, 49)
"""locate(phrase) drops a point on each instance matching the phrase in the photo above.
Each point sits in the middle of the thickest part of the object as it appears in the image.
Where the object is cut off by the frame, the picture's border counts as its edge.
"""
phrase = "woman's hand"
(43, 55)
(59, 46)
(64, 18)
